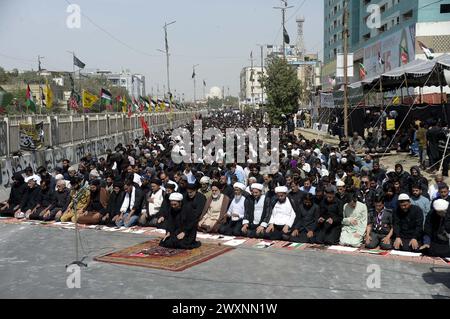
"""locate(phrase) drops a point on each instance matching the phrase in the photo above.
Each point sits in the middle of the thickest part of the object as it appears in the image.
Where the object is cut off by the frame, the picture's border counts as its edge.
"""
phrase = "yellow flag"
(163, 107)
(48, 96)
(89, 99)
(396, 101)
(124, 104)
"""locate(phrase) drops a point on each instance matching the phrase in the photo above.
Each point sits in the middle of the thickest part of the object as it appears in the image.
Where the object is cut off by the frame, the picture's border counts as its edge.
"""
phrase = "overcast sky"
(217, 34)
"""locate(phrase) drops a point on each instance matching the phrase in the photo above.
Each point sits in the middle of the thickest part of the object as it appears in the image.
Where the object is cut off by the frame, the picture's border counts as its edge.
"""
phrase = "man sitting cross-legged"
(131, 206)
(408, 225)
(255, 212)
(96, 208)
(44, 201)
(379, 229)
(305, 225)
(354, 223)
(79, 200)
(215, 212)
(280, 216)
(114, 204)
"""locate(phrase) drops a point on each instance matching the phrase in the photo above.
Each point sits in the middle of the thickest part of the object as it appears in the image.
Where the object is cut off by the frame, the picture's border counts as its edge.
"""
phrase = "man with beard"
(152, 205)
(408, 225)
(235, 213)
(341, 193)
(18, 189)
(305, 224)
(215, 212)
(330, 219)
(131, 208)
(437, 229)
(96, 208)
(433, 136)
(114, 204)
(378, 173)
(194, 202)
(379, 229)
(205, 187)
(225, 188)
(79, 200)
(416, 178)
(281, 215)
(417, 199)
(43, 202)
(29, 200)
(354, 223)
(181, 225)
(255, 212)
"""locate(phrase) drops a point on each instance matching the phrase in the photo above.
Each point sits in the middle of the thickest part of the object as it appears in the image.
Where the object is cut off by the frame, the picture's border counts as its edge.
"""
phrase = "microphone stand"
(79, 262)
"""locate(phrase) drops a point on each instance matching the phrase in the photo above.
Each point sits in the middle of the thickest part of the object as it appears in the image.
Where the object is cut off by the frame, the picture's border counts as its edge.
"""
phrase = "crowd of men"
(319, 194)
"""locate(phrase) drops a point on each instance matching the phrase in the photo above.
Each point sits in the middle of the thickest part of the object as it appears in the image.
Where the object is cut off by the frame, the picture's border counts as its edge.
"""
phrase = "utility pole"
(252, 79)
(283, 21)
(167, 53)
(194, 76)
(261, 78)
(345, 37)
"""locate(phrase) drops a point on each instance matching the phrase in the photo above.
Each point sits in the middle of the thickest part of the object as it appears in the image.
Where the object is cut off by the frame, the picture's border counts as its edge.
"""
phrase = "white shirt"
(153, 208)
(237, 207)
(283, 214)
(259, 207)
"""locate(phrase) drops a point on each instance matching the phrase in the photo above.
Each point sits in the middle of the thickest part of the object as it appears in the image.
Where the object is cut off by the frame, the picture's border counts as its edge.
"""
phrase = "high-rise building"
(388, 42)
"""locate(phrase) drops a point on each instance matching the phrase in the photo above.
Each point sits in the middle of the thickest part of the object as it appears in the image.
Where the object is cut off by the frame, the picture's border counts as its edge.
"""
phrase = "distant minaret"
(300, 39)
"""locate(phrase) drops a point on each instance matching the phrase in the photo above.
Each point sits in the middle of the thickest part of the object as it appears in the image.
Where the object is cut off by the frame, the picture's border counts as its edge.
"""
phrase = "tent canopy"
(417, 73)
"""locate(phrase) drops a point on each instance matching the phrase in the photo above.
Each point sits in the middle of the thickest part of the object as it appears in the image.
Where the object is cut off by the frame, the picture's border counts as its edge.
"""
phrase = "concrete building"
(133, 83)
(251, 92)
(395, 39)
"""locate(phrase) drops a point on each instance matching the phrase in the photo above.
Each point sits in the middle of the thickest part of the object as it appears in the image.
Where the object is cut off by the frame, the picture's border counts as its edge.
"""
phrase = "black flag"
(286, 36)
(77, 62)
(193, 73)
(204, 83)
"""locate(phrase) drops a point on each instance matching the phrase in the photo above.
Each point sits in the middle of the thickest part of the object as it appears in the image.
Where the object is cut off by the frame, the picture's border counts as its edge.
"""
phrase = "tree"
(283, 89)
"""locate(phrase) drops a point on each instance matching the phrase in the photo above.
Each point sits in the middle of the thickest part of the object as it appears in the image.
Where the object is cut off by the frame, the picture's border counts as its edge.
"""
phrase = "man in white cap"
(437, 229)
(235, 213)
(280, 216)
(181, 226)
(408, 225)
(205, 188)
(255, 212)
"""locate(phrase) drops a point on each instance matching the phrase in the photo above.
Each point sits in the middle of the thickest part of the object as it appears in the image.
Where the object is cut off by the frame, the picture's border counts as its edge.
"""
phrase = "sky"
(118, 35)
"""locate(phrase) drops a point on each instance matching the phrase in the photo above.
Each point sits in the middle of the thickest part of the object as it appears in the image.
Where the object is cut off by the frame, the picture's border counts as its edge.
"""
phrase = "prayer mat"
(151, 255)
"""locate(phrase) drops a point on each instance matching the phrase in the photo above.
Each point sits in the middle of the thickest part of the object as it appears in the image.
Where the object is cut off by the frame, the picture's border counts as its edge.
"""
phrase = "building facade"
(133, 83)
(383, 46)
(251, 92)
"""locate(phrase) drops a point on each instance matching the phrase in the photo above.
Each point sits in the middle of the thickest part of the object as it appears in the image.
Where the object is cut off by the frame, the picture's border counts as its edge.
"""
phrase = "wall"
(72, 137)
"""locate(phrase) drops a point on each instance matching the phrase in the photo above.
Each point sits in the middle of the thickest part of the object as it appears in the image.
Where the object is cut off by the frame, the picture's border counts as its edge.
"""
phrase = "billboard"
(390, 52)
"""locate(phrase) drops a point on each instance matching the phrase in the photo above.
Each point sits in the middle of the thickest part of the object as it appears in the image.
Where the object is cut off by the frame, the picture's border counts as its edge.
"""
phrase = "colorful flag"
(73, 102)
(31, 105)
(362, 71)
(404, 55)
(429, 53)
(106, 99)
(48, 93)
(380, 59)
(89, 99)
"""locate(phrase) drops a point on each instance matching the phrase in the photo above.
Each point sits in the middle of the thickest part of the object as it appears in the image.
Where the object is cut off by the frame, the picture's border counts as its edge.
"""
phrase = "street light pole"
(283, 21)
(167, 53)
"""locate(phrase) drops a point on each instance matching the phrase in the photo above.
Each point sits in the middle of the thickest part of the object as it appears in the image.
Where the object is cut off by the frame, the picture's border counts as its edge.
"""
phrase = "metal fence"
(61, 130)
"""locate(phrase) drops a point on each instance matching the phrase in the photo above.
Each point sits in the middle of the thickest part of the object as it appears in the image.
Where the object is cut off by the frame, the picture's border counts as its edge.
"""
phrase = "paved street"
(33, 259)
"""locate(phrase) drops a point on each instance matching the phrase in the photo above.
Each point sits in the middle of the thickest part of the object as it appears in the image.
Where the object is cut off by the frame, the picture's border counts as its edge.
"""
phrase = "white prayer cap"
(161, 147)
(176, 197)
(340, 183)
(295, 153)
(257, 186)
(317, 151)
(325, 173)
(281, 189)
(205, 180)
(440, 205)
(344, 160)
(404, 197)
(29, 178)
(303, 141)
(306, 167)
(94, 173)
(137, 179)
(240, 186)
(308, 151)
(332, 154)
(59, 177)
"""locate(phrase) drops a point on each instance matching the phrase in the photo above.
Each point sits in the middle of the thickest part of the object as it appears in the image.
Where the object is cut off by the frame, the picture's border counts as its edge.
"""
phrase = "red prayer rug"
(151, 255)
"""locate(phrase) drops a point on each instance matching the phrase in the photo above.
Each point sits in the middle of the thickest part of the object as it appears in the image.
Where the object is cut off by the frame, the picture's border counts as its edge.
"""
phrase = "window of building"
(445, 8)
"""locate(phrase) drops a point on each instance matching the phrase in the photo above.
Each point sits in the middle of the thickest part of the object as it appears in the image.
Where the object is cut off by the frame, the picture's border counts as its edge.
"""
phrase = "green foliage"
(283, 89)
